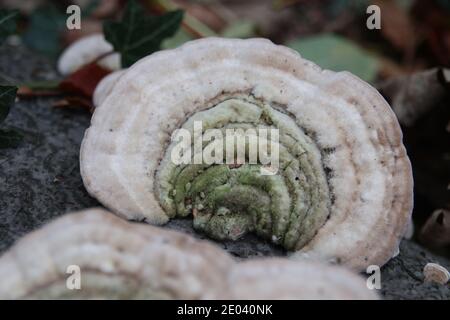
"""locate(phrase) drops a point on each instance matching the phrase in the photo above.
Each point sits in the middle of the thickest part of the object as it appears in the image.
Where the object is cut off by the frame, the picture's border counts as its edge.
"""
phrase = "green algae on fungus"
(286, 208)
(343, 188)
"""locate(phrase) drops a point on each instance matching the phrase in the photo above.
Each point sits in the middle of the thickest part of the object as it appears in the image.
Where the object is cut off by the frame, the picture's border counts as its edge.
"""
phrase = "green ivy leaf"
(10, 138)
(7, 23)
(138, 34)
(44, 31)
(7, 97)
(90, 7)
(337, 53)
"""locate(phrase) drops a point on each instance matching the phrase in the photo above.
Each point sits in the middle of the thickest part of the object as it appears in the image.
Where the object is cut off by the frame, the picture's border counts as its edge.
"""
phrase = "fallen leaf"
(337, 53)
(7, 23)
(106, 8)
(396, 26)
(436, 231)
(435, 26)
(84, 80)
(90, 26)
(44, 30)
(138, 34)
(414, 95)
(421, 102)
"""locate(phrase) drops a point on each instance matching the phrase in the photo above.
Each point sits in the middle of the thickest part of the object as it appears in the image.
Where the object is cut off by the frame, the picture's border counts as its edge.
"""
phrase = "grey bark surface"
(40, 180)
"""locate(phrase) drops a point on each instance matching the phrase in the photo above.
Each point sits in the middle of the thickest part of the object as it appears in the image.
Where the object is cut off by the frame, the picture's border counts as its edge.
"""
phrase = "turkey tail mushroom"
(343, 191)
(122, 260)
(117, 260)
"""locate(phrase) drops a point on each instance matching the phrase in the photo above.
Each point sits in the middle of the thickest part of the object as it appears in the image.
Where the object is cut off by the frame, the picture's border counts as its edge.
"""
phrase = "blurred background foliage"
(415, 34)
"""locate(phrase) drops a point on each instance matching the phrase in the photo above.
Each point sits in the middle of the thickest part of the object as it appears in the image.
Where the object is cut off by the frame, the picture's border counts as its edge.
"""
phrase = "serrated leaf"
(337, 53)
(7, 97)
(10, 138)
(138, 34)
(7, 23)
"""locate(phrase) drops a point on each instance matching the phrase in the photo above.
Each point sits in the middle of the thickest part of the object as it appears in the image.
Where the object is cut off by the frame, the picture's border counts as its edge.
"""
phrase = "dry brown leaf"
(434, 25)
(106, 8)
(84, 81)
(396, 26)
(436, 231)
(413, 95)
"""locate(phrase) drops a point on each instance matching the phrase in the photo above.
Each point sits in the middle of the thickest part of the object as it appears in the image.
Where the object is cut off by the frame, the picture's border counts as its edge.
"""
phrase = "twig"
(26, 92)
(191, 24)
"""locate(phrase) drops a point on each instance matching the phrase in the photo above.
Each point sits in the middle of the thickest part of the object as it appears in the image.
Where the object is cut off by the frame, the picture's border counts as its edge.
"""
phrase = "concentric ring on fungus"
(120, 260)
(344, 187)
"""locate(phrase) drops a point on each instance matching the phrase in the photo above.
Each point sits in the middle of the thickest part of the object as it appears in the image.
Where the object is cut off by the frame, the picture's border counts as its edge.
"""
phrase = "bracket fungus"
(343, 191)
(117, 259)
(434, 272)
(86, 50)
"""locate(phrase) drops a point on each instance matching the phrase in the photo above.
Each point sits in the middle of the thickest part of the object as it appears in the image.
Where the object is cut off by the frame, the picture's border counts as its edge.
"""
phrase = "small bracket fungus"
(116, 259)
(434, 272)
(86, 50)
(343, 190)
